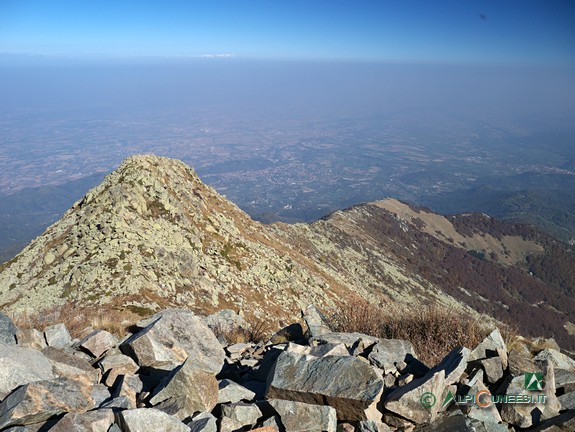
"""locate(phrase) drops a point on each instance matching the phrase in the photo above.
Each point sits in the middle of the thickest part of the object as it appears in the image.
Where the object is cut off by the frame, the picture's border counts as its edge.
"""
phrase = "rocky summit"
(194, 381)
(153, 236)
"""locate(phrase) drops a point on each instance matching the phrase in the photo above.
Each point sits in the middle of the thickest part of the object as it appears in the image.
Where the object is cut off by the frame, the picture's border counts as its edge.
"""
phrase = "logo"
(448, 399)
(427, 400)
(534, 381)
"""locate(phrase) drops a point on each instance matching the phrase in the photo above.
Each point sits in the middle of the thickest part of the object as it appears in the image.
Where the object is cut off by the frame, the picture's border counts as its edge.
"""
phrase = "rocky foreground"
(174, 374)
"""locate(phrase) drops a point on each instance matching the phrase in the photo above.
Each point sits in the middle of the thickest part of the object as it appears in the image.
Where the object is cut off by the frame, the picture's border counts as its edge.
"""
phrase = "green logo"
(447, 400)
(427, 400)
(534, 381)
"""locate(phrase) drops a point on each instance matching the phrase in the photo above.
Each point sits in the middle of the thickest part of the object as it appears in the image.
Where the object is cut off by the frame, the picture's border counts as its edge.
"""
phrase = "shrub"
(432, 330)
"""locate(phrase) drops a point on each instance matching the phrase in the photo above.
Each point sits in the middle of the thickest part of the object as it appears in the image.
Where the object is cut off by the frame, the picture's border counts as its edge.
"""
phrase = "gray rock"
(226, 320)
(356, 343)
(406, 401)
(493, 368)
(453, 365)
(492, 346)
(319, 350)
(130, 387)
(562, 423)
(93, 421)
(100, 393)
(387, 352)
(458, 422)
(558, 359)
(186, 390)
(372, 426)
(230, 425)
(172, 337)
(98, 342)
(70, 366)
(31, 338)
(315, 321)
(303, 417)
(203, 422)
(38, 401)
(7, 330)
(20, 366)
(487, 412)
(567, 400)
(231, 392)
(242, 413)
(57, 336)
(149, 419)
(114, 365)
(347, 384)
(564, 380)
(521, 362)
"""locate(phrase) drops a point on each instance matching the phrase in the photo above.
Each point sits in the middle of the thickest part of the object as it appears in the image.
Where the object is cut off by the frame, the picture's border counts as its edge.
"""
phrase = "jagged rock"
(356, 343)
(129, 386)
(315, 321)
(303, 417)
(99, 392)
(150, 419)
(290, 333)
(458, 422)
(372, 426)
(172, 337)
(492, 346)
(567, 400)
(93, 421)
(407, 401)
(226, 321)
(116, 364)
(493, 368)
(7, 330)
(562, 423)
(266, 429)
(487, 412)
(70, 366)
(231, 392)
(20, 366)
(397, 422)
(235, 351)
(558, 359)
(186, 390)
(347, 384)
(453, 365)
(521, 362)
(319, 350)
(31, 338)
(230, 425)
(57, 336)
(525, 415)
(345, 427)
(203, 422)
(388, 352)
(242, 413)
(564, 380)
(98, 342)
(41, 400)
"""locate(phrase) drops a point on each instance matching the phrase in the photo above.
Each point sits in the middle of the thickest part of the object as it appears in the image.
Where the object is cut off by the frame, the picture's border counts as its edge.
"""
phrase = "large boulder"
(558, 359)
(389, 352)
(114, 365)
(302, 417)
(98, 342)
(315, 321)
(93, 421)
(150, 419)
(231, 392)
(38, 401)
(356, 343)
(70, 366)
(57, 336)
(172, 336)
(492, 346)
(7, 330)
(453, 365)
(20, 366)
(186, 390)
(348, 384)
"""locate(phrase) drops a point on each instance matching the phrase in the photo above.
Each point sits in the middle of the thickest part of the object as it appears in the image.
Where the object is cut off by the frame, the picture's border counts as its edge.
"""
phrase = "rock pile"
(174, 374)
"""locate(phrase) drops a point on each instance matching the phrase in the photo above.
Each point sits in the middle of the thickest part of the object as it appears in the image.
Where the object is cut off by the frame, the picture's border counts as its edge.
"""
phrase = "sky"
(455, 31)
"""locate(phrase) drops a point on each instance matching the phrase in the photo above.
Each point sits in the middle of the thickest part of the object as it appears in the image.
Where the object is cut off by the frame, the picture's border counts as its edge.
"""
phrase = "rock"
(226, 321)
(114, 365)
(100, 393)
(20, 366)
(562, 423)
(203, 422)
(150, 419)
(564, 380)
(319, 350)
(407, 401)
(244, 414)
(290, 333)
(493, 368)
(7, 330)
(315, 321)
(521, 362)
(230, 425)
(186, 390)
(57, 336)
(266, 429)
(347, 384)
(387, 352)
(492, 346)
(458, 422)
(486, 411)
(356, 343)
(38, 401)
(70, 366)
(372, 426)
(235, 351)
(303, 417)
(526, 415)
(231, 392)
(558, 359)
(567, 400)
(98, 342)
(453, 365)
(31, 338)
(93, 421)
(129, 386)
(171, 337)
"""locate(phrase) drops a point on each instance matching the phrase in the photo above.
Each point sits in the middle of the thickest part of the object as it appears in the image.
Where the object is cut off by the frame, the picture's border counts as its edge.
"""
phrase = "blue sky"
(460, 31)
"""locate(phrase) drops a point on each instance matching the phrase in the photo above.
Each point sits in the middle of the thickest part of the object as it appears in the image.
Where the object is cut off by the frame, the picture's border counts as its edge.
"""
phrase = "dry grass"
(258, 331)
(78, 319)
(433, 330)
